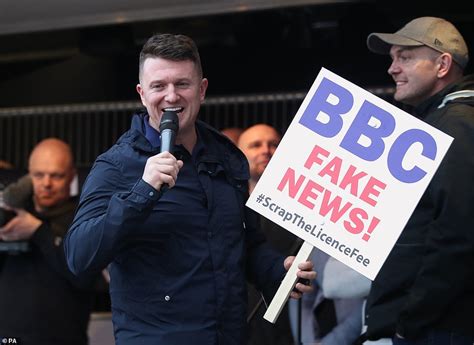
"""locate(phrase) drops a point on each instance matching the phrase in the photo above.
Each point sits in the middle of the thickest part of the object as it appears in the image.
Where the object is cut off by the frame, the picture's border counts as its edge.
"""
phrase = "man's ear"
(444, 62)
(203, 88)
(140, 92)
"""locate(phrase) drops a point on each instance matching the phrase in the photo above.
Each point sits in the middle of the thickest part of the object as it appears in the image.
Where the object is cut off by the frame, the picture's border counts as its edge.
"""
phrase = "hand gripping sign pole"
(359, 183)
(288, 283)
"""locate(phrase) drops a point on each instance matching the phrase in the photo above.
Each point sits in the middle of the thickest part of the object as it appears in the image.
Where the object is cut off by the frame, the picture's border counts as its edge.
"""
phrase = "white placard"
(349, 172)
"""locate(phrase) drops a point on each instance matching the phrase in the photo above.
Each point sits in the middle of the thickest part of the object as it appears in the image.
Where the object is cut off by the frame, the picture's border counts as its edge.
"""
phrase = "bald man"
(41, 302)
(258, 143)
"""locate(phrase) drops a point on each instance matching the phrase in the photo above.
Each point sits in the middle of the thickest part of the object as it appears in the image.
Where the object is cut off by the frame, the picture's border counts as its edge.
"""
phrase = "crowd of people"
(189, 263)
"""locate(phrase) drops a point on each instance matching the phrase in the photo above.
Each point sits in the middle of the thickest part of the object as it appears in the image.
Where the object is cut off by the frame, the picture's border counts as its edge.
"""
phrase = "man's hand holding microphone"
(161, 170)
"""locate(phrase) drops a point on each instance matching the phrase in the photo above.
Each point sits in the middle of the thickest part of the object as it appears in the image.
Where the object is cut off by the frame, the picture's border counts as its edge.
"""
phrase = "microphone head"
(169, 120)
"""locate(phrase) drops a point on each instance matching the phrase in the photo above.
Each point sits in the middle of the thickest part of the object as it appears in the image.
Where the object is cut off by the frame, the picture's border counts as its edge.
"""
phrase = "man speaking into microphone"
(178, 256)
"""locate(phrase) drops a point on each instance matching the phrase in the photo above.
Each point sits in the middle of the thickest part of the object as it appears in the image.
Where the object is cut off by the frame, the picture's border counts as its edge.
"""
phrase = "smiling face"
(172, 85)
(415, 72)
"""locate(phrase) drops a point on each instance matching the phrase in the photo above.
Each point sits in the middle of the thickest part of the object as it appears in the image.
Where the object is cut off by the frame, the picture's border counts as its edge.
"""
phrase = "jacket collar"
(218, 149)
(434, 101)
(221, 151)
(136, 138)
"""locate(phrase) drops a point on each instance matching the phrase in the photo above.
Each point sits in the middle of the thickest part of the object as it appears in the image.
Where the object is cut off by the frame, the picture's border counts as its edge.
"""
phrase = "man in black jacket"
(259, 143)
(41, 302)
(424, 292)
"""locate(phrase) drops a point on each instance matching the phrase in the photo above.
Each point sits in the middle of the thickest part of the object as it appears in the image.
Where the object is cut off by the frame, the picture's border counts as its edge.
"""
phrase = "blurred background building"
(69, 68)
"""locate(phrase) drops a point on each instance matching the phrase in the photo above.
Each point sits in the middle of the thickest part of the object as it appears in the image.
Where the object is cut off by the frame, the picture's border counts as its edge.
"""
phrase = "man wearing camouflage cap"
(424, 293)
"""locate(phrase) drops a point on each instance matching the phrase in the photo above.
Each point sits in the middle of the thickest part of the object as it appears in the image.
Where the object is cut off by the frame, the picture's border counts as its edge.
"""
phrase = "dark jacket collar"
(218, 148)
(429, 105)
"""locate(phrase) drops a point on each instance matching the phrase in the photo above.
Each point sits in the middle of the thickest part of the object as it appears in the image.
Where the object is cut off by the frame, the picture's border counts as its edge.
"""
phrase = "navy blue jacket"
(177, 273)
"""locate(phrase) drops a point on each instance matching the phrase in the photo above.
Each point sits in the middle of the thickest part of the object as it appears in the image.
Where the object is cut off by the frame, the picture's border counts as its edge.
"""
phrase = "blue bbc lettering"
(361, 127)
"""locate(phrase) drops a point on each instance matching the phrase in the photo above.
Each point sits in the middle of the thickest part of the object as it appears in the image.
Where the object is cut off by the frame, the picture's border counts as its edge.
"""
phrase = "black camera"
(6, 216)
(11, 247)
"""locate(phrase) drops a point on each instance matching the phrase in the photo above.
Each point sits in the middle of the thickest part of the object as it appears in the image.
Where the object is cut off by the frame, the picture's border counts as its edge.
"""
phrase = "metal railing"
(92, 128)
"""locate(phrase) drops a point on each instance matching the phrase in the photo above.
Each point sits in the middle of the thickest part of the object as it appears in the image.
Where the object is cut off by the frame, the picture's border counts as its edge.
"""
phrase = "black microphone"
(169, 126)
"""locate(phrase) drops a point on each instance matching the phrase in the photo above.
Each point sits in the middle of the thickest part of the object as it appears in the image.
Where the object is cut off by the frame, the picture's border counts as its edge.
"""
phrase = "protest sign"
(349, 172)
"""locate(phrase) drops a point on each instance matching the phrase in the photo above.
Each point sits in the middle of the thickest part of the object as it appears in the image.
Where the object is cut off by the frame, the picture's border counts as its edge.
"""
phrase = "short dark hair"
(170, 47)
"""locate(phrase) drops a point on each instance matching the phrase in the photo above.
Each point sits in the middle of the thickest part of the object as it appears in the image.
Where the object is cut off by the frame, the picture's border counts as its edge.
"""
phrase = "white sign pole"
(340, 176)
(288, 283)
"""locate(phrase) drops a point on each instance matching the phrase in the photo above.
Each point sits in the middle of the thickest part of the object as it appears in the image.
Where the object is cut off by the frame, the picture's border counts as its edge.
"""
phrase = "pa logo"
(9, 341)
